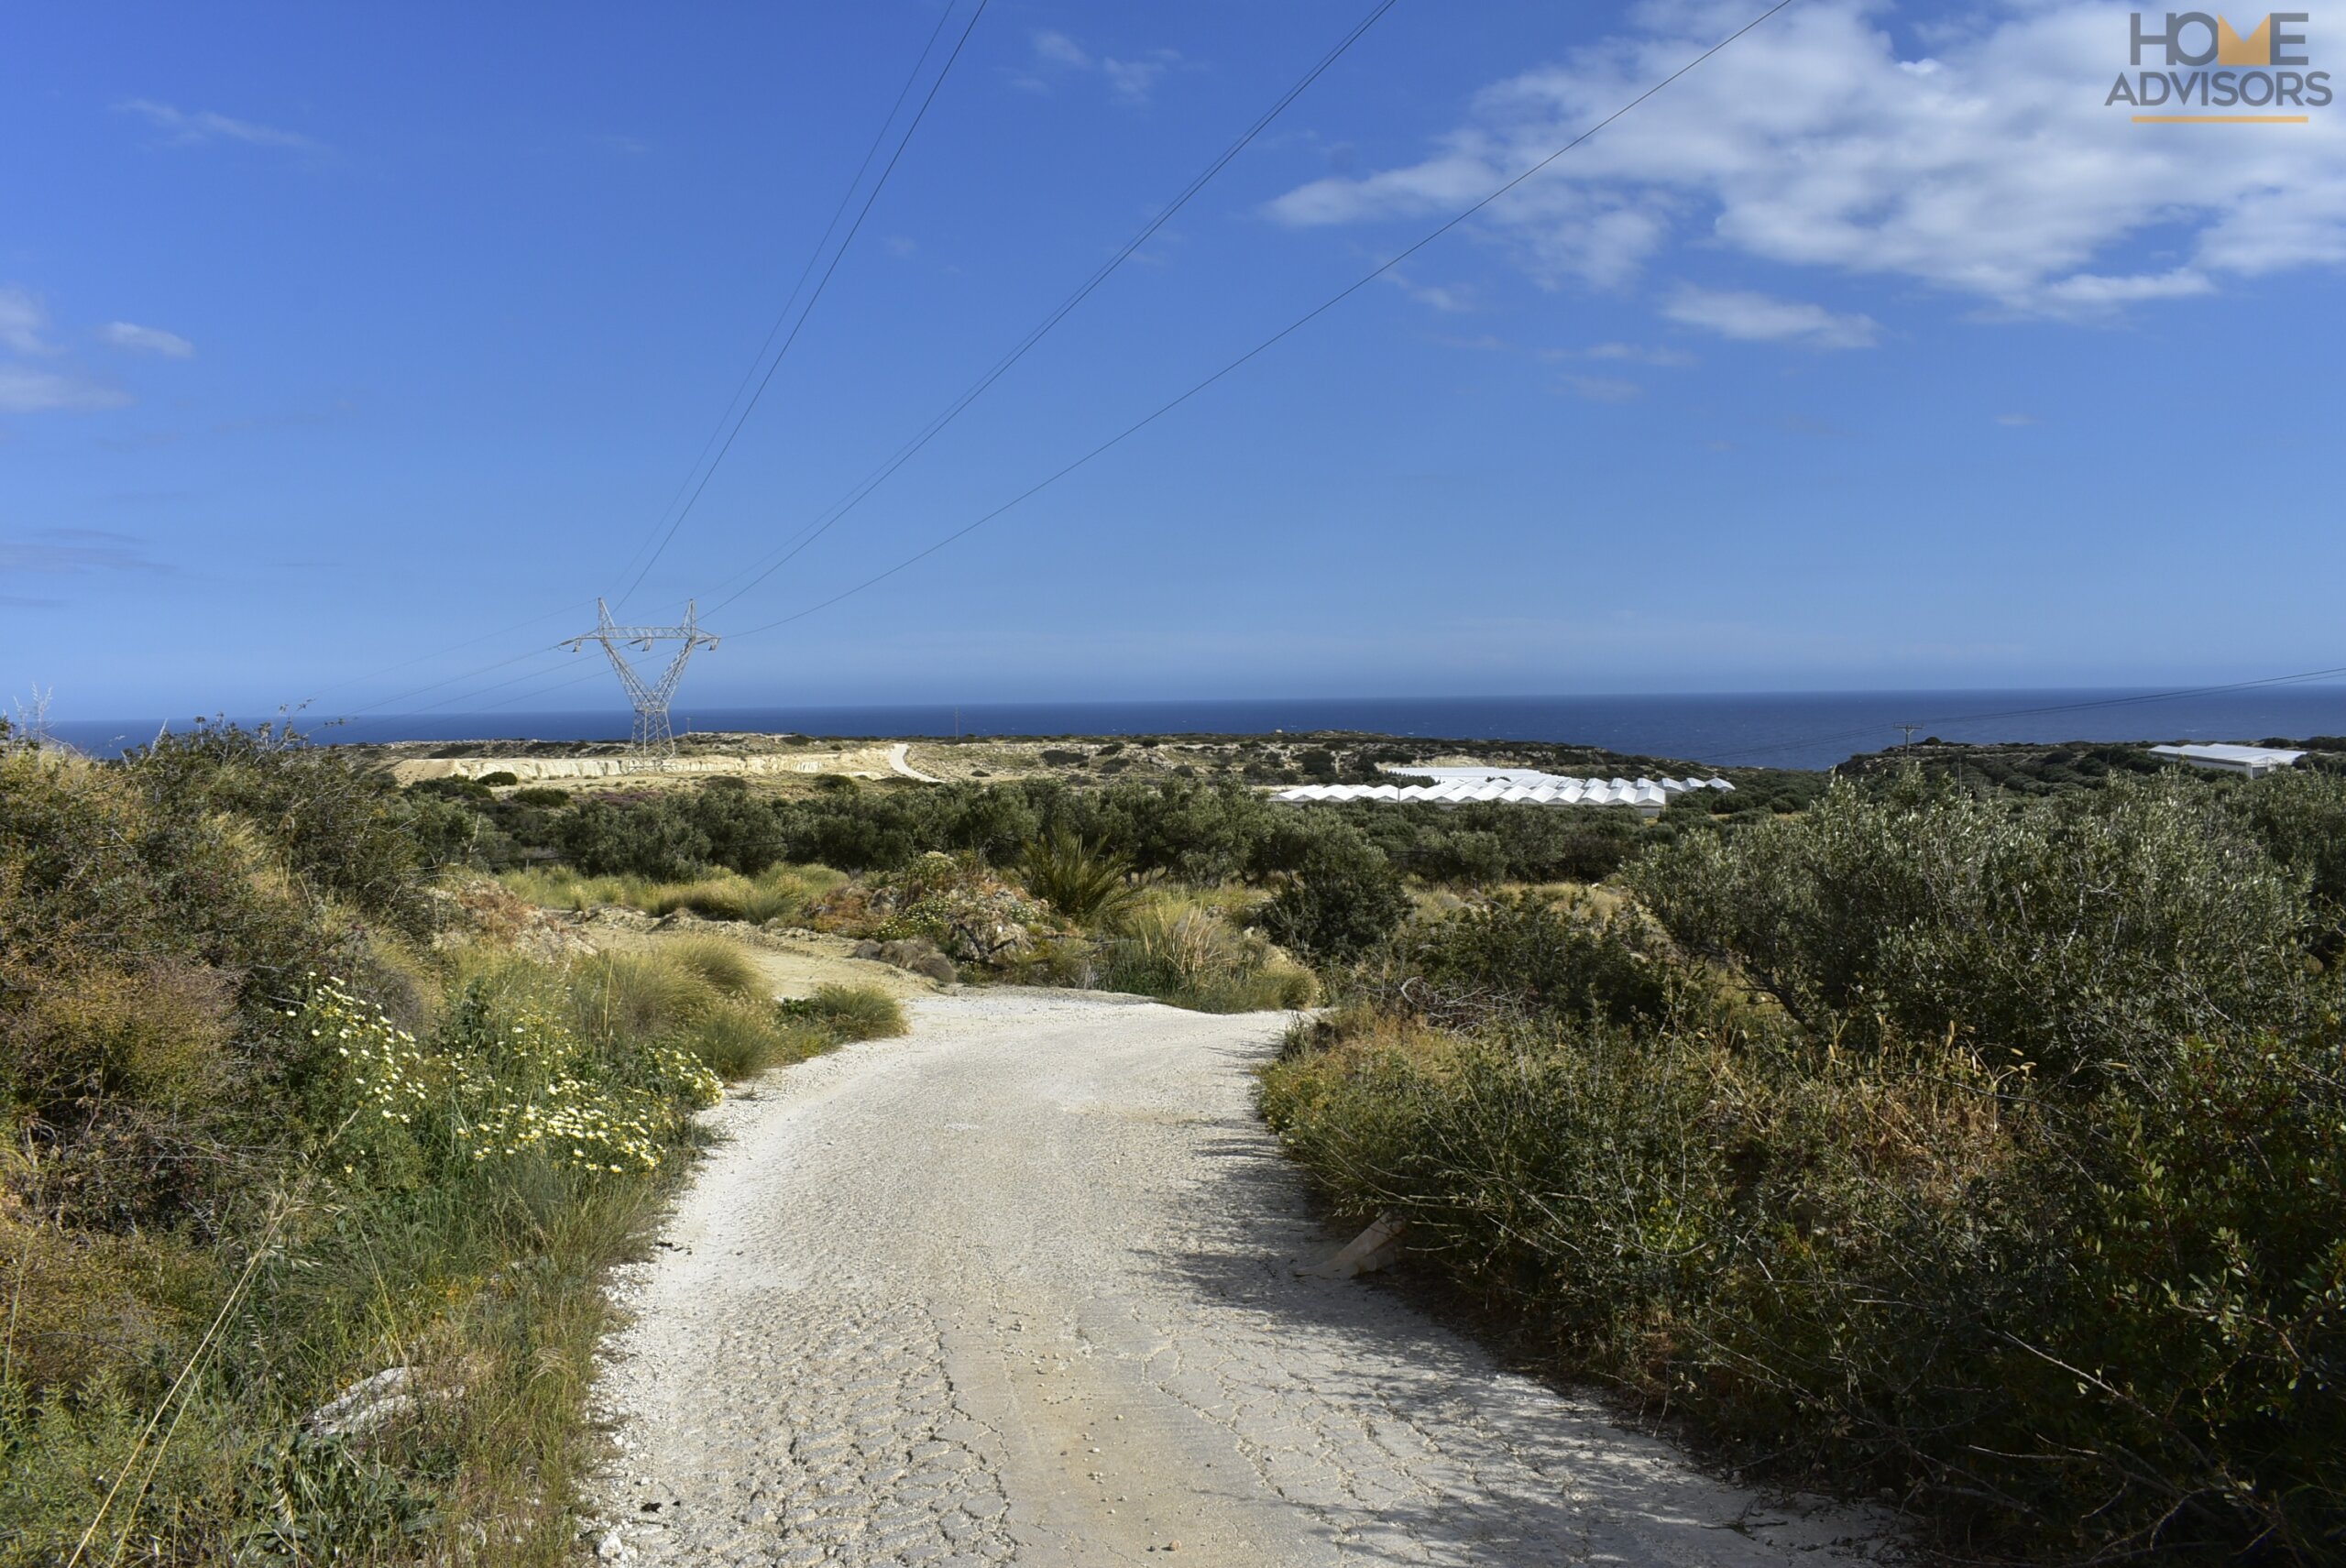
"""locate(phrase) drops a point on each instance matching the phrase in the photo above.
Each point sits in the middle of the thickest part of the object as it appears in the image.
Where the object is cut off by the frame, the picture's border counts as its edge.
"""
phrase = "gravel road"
(1020, 1287)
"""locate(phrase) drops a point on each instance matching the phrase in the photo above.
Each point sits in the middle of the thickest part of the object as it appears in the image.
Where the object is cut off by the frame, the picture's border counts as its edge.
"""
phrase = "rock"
(919, 958)
(910, 953)
(369, 1402)
(1371, 1250)
(365, 1405)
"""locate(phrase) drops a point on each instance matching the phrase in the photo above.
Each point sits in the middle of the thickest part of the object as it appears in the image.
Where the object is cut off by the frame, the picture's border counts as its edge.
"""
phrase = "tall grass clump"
(705, 996)
(720, 964)
(777, 893)
(1985, 1152)
(850, 1013)
(1184, 951)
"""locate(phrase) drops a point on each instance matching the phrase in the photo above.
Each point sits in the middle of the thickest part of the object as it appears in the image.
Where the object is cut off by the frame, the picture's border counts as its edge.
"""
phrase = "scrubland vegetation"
(1967, 1137)
(1201, 892)
(284, 1116)
(1961, 1138)
(1977, 1152)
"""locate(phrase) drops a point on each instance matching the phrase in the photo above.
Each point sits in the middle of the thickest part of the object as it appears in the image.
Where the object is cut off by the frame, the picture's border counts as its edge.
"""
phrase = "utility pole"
(652, 731)
(1910, 730)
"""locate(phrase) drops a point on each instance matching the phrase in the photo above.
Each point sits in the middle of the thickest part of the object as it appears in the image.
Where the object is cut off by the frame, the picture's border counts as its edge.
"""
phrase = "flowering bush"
(498, 1083)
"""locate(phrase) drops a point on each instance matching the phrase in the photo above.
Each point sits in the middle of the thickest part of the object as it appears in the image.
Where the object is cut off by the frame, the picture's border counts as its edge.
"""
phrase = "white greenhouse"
(1507, 786)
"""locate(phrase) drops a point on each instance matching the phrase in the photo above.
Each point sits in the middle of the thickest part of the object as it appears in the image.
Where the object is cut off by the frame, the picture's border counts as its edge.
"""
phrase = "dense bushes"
(1983, 1151)
(1523, 956)
(1193, 832)
(2068, 935)
(1344, 899)
(255, 1070)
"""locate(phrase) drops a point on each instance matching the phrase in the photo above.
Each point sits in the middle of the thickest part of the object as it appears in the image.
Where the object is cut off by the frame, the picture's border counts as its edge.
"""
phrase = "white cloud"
(1992, 169)
(146, 340)
(203, 126)
(2016, 420)
(1449, 299)
(2093, 291)
(22, 322)
(1057, 48)
(1604, 389)
(1762, 318)
(24, 391)
(1133, 80)
(1641, 354)
(1130, 80)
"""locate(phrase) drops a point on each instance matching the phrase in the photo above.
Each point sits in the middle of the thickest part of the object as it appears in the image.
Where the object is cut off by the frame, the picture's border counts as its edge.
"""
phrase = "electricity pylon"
(652, 729)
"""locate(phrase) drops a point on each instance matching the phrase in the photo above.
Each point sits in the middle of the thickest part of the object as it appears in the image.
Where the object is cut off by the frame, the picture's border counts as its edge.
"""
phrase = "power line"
(814, 256)
(904, 453)
(1259, 348)
(750, 371)
(468, 643)
(1299, 323)
(1018, 351)
(822, 283)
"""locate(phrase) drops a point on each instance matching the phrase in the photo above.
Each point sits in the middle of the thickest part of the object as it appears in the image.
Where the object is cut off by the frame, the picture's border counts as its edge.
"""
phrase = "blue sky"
(344, 353)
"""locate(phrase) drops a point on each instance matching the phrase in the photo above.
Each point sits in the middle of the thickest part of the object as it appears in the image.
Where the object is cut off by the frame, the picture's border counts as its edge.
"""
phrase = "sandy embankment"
(877, 762)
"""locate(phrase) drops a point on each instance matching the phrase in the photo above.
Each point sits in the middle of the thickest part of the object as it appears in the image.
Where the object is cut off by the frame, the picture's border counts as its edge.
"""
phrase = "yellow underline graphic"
(2221, 120)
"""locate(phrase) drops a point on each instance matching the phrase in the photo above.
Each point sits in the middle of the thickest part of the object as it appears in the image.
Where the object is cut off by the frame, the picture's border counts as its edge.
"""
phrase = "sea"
(1784, 729)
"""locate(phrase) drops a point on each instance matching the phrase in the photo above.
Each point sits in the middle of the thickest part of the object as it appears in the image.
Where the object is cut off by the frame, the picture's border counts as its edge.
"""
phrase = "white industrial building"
(2254, 761)
(1512, 786)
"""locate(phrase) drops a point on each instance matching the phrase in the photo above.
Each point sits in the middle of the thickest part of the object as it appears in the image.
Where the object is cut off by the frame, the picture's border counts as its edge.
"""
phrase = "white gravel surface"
(1020, 1287)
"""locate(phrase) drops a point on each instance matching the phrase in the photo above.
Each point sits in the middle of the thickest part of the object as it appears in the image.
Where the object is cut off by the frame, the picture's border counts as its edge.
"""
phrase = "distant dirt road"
(899, 763)
(1019, 1288)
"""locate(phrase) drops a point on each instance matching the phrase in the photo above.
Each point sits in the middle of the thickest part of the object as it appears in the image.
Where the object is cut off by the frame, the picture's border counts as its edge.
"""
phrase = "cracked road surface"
(1020, 1287)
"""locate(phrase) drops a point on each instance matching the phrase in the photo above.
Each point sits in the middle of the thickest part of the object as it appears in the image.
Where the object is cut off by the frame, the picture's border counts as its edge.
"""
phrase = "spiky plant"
(1080, 878)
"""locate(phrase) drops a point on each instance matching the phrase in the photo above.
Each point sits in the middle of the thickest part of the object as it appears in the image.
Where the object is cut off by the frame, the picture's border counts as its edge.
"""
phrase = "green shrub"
(1078, 877)
(1344, 900)
(502, 778)
(951, 902)
(552, 799)
(2069, 931)
(1528, 955)
(2299, 817)
(650, 839)
(850, 1012)
(1890, 1271)
(2013, 1185)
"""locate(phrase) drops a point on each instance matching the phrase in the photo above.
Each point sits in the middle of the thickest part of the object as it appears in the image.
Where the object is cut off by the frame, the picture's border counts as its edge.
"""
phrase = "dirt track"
(1020, 1289)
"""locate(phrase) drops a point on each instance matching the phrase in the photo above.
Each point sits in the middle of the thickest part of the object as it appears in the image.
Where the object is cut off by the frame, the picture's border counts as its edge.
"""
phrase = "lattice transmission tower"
(653, 732)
